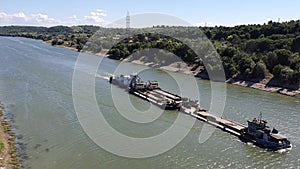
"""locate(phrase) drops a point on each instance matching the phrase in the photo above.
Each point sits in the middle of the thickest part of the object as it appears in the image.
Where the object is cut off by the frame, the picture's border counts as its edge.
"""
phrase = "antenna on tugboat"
(260, 117)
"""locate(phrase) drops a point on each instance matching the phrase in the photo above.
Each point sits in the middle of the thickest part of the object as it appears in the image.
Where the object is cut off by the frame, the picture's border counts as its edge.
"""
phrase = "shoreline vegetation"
(260, 84)
(8, 151)
(264, 57)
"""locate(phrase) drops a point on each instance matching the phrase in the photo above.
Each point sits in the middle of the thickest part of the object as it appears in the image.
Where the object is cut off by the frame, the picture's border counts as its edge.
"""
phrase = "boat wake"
(285, 150)
(105, 77)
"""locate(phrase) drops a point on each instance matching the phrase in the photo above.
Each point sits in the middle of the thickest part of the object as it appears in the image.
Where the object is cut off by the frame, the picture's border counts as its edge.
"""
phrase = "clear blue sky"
(229, 12)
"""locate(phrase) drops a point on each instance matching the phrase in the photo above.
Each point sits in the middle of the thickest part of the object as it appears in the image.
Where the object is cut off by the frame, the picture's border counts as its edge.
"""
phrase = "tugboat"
(122, 81)
(259, 133)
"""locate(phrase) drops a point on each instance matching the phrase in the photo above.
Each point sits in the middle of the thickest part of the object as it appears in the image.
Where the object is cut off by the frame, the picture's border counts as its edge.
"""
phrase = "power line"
(127, 25)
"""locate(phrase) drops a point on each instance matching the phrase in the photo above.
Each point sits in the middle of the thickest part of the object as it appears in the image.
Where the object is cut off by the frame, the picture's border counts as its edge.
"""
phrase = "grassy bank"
(8, 152)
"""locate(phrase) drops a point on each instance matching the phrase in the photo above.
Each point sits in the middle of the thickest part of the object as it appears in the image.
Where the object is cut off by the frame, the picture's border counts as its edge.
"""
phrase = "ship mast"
(260, 117)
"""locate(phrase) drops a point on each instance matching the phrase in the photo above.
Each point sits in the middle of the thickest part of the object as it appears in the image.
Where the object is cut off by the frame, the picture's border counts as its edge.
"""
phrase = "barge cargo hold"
(256, 132)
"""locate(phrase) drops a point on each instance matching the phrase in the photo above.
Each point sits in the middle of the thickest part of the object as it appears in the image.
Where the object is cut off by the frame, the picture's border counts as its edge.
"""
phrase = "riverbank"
(8, 153)
(264, 84)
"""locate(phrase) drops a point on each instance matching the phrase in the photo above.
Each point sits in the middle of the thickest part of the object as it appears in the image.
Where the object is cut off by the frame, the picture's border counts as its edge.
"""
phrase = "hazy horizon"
(102, 13)
(123, 27)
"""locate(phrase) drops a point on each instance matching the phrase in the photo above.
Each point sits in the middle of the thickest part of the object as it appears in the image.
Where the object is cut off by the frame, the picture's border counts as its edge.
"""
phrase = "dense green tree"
(296, 44)
(272, 60)
(246, 66)
(79, 47)
(54, 42)
(260, 70)
(295, 79)
(283, 72)
(284, 56)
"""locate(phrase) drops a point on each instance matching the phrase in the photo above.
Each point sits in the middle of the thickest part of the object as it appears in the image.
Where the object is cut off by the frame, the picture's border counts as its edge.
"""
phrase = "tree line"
(250, 52)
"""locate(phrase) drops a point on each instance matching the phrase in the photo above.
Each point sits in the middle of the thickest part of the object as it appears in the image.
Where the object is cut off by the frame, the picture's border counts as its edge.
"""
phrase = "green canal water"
(36, 89)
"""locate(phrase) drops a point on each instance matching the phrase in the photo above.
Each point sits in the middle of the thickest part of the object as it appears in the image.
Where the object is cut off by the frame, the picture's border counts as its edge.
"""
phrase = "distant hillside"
(249, 52)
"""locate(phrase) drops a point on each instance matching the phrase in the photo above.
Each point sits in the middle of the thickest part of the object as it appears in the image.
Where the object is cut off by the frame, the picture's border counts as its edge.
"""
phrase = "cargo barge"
(256, 132)
(149, 91)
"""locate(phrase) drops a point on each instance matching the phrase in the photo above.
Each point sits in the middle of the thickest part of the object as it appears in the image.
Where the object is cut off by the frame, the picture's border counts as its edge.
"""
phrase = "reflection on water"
(36, 86)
